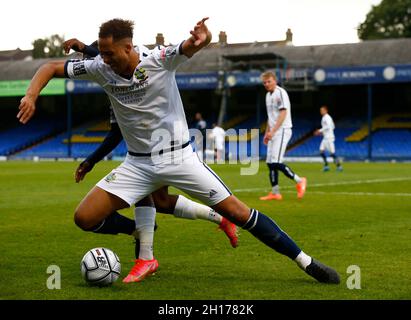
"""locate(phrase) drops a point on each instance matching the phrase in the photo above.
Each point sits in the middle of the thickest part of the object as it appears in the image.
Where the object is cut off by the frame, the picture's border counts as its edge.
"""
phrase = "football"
(100, 267)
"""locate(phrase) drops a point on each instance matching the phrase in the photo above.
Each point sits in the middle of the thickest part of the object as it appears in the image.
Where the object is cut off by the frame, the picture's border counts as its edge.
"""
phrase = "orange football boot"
(301, 186)
(230, 230)
(272, 196)
(141, 270)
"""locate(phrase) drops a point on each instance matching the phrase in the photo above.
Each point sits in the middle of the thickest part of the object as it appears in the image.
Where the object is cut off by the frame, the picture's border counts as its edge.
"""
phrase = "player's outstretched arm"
(200, 37)
(112, 140)
(78, 46)
(74, 44)
(52, 69)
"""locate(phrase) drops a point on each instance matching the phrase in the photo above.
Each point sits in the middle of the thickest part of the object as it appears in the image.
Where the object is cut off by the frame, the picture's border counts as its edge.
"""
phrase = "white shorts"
(277, 146)
(219, 146)
(138, 177)
(327, 144)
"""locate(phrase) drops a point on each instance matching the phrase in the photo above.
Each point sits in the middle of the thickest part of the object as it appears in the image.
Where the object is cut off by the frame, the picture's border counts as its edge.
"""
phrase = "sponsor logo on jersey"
(141, 75)
(79, 68)
(111, 177)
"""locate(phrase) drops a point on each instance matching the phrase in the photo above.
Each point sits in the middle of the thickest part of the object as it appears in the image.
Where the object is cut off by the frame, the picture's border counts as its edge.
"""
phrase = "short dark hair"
(117, 28)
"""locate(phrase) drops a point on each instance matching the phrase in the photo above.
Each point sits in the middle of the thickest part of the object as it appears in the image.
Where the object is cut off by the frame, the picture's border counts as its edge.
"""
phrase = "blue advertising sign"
(197, 81)
(321, 76)
(241, 79)
(82, 86)
(362, 75)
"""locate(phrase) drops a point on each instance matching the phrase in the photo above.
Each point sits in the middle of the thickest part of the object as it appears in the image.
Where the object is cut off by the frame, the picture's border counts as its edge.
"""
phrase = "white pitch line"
(338, 183)
(360, 193)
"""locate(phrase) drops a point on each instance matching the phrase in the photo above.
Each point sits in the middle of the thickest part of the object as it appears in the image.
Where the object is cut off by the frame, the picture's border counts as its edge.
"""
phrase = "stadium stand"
(20, 137)
(388, 142)
(85, 139)
(345, 149)
(394, 121)
(390, 139)
(392, 143)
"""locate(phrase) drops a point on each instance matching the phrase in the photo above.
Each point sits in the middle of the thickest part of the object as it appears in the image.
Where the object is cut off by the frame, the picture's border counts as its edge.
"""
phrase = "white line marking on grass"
(359, 193)
(338, 183)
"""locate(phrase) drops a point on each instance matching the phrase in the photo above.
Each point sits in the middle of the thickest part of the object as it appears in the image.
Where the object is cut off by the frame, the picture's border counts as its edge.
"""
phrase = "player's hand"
(27, 107)
(200, 33)
(82, 170)
(267, 138)
(317, 132)
(74, 44)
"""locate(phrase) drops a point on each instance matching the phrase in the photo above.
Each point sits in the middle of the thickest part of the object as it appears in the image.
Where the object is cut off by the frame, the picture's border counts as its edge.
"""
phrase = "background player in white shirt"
(327, 143)
(218, 136)
(150, 114)
(277, 135)
(201, 135)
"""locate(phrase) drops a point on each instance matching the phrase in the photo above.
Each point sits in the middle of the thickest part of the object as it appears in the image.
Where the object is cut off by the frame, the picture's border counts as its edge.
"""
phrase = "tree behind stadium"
(51, 47)
(389, 19)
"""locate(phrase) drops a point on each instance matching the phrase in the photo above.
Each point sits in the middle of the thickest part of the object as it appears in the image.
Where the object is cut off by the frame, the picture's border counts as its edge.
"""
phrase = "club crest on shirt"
(110, 177)
(141, 75)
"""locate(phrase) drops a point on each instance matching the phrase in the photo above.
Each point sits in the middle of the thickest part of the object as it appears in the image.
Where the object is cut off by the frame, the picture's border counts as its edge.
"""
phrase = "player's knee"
(82, 220)
(277, 165)
(146, 202)
(163, 206)
(165, 203)
(234, 210)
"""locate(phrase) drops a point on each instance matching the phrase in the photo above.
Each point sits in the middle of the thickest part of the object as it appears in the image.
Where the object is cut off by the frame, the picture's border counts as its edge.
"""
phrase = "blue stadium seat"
(21, 136)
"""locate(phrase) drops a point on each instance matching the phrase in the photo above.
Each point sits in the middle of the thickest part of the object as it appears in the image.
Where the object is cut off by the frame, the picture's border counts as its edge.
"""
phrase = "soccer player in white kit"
(327, 143)
(178, 205)
(277, 135)
(150, 114)
(218, 135)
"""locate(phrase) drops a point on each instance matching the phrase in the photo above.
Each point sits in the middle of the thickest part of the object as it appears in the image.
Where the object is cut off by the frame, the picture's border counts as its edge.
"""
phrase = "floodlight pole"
(222, 89)
(369, 100)
(69, 123)
(258, 105)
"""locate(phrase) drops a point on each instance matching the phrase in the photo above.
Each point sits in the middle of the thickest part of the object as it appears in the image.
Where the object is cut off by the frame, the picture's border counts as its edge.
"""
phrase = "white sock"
(188, 209)
(303, 260)
(297, 178)
(276, 189)
(145, 220)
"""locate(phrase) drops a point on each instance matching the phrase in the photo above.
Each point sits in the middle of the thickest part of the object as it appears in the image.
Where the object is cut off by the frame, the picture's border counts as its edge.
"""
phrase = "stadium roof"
(367, 53)
(17, 54)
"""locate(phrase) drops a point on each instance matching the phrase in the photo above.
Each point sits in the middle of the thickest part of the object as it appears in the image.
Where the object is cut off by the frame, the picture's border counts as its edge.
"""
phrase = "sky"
(313, 22)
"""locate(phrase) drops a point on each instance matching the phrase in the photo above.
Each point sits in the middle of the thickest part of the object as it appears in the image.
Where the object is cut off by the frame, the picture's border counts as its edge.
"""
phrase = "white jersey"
(276, 101)
(219, 137)
(148, 106)
(327, 127)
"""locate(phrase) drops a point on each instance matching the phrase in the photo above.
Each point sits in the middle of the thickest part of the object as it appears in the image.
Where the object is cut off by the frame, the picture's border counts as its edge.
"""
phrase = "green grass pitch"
(361, 217)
